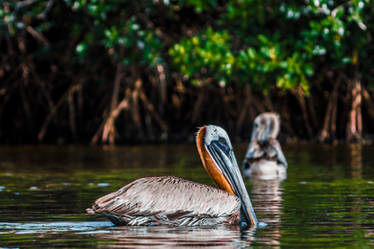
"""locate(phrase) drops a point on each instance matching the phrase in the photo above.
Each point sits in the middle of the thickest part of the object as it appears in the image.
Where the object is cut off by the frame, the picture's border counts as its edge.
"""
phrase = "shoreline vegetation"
(119, 72)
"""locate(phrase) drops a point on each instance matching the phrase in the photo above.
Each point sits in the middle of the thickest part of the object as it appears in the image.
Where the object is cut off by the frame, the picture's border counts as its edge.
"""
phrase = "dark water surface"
(327, 201)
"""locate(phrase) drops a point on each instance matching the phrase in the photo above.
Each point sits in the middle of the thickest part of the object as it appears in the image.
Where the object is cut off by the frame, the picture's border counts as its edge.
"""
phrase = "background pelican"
(264, 158)
(174, 201)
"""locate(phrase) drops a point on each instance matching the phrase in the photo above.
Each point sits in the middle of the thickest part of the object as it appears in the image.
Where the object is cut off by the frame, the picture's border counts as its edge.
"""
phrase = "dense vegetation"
(119, 71)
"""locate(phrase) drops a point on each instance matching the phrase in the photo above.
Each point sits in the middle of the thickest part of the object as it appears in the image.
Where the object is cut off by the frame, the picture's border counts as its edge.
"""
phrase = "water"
(327, 200)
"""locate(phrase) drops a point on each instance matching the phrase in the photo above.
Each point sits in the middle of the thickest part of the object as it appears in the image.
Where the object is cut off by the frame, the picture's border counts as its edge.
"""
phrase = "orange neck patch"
(209, 165)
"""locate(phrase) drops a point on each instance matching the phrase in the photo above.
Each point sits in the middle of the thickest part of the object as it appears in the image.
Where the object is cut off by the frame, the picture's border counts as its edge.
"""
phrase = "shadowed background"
(79, 71)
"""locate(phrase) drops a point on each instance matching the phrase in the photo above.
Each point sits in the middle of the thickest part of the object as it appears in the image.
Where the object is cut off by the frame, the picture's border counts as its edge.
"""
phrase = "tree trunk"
(109, 129)
(301, 99)
(329, 124)
(354, 127)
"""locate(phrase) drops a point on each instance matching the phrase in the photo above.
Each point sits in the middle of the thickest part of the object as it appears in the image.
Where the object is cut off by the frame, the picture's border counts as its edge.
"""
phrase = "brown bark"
(163, 86)
(37, 35)
(301, 99)
(109, 130)
(53, 111)
(135, 104)
(117, 81)
(73, 128)
(328, 130)
(354, 127)
(108, 122)
(149, 126)
(312, 111)
(151, 109)
(369, 103)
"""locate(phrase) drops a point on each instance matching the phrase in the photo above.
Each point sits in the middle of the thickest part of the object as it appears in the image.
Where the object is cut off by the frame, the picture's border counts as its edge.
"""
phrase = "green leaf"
(81, 48)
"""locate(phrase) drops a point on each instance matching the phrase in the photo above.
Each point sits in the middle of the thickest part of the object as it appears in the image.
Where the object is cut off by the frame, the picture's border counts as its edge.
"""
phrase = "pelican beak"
(224, 158)
(260, 134)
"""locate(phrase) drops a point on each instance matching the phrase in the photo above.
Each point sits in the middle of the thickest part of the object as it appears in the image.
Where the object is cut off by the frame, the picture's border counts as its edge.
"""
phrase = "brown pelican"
(264, 158)
(174, 201)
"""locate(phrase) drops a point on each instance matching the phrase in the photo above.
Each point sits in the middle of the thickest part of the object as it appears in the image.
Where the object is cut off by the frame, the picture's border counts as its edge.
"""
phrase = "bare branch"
(46, 10)
(37, 35)
(24, 3)
(47, 120)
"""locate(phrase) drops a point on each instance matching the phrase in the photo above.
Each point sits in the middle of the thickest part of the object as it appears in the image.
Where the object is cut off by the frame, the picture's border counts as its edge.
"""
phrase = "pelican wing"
(276, 149)
(254, 151)
(166, 200)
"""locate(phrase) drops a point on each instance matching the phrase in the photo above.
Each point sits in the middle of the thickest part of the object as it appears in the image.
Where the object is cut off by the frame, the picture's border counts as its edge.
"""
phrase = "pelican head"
(264, 156)
(219, 161)
(265, 127)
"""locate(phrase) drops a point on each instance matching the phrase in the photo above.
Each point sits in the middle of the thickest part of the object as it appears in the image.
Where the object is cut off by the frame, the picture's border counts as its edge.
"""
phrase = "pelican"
(264, 159)
(170, 200)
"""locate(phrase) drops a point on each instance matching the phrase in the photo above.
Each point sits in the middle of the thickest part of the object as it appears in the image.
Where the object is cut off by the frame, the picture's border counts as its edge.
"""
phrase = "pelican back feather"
(168, 200)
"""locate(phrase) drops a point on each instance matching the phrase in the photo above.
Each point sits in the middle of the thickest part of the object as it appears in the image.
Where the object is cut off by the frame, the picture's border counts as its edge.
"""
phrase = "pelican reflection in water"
(264, 158)
(175, 201)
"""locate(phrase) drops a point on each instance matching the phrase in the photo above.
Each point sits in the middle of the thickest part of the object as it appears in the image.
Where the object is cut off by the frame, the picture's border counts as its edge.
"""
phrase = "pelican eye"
(222, 144)
(222, 140)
